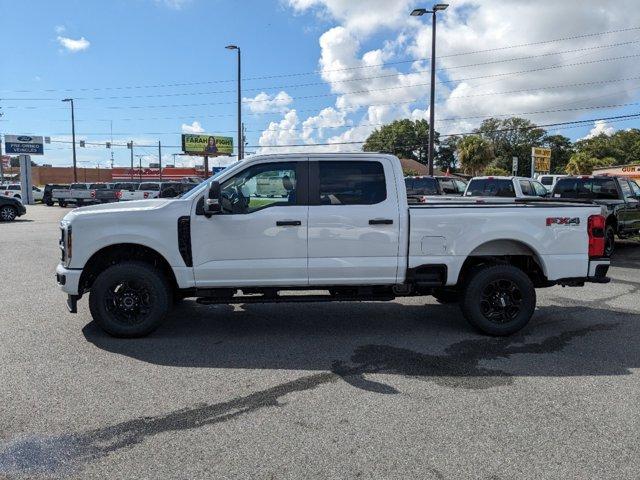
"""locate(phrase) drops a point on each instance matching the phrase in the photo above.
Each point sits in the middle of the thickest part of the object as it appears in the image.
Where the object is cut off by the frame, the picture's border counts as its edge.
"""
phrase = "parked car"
(344, 227)
(10, 208)
(511, 187)
(85, 193)
(147, 190)
(48, 188)
(15, 190)
(549, 180)
(127, 189)
(619, 196)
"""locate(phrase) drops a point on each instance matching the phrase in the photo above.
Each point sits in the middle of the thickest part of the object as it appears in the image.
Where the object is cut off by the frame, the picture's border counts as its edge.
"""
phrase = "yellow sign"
(543, 164)
(541, 152)
(210, 145)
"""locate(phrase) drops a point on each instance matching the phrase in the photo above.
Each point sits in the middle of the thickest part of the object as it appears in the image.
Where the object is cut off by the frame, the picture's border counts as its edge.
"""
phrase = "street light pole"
(418, 12)
(73, 139)
(240, 139)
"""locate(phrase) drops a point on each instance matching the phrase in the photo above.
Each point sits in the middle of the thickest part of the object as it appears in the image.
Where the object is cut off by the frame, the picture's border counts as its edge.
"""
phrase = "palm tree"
(475, 154)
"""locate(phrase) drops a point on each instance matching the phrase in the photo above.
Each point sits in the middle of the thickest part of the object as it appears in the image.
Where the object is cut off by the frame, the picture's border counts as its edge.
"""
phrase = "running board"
(239, 299)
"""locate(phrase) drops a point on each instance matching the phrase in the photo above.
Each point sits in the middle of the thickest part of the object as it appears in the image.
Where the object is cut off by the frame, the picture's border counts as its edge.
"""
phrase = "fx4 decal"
(562, 221)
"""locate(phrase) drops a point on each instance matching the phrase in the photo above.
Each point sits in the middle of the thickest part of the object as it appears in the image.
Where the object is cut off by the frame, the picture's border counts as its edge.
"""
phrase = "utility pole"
(73, 139)
(160, 158)
(140, 166)
(418, 12)
(111, 122)
(240, 136)
(130, 146)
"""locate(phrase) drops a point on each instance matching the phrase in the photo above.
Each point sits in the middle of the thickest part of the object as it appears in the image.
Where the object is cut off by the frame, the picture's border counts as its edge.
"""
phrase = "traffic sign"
(23, 145)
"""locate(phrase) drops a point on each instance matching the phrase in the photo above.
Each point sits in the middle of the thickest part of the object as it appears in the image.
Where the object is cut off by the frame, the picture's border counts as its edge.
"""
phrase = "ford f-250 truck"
(343, 228)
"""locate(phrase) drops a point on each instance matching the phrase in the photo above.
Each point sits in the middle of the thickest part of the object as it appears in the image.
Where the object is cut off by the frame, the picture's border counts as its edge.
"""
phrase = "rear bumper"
(597, 273)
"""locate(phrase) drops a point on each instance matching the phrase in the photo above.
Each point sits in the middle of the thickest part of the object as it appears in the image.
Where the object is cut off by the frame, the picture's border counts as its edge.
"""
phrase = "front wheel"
(8, 213)
(498, 300)
(609, 241)
(130, 299)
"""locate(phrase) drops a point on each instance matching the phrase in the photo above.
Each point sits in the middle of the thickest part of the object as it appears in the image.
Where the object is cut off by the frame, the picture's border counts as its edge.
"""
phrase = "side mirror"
(212, 203)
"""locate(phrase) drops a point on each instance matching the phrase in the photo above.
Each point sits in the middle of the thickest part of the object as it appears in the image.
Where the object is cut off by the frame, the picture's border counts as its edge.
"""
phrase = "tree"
(581, 163)
(561, 151)
(405, 138)
(495, 171)
(475, 154)
(512, 137)
(623, 146)
(446, 156)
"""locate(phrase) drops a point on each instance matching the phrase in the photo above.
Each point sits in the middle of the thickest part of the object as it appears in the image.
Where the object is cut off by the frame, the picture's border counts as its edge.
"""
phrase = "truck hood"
(117, 207)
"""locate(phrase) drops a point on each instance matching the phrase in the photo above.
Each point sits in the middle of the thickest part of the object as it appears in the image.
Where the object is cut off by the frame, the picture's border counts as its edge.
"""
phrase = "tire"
(130, 299)
(446, 295)
(498, 300)
(62, 203)
(49, 203)
(609, 241)
(8, 213)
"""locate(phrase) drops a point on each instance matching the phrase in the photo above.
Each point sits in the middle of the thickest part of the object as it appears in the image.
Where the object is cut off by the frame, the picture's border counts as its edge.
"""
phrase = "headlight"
(66, 242)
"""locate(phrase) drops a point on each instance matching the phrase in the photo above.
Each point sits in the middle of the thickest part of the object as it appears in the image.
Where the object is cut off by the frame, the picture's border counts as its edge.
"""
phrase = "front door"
(353, 222)
(260, 238)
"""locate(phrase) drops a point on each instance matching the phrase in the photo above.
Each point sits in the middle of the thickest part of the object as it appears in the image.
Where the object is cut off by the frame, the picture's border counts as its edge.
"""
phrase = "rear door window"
(527, 189)
(153, 187)
(78, 186)
(539, 189)
(627, 193)
(461, 186)
(447, 185)
(351, 183)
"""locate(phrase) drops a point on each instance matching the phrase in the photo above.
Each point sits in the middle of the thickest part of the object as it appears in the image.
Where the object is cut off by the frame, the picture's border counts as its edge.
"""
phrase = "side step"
(239, 299)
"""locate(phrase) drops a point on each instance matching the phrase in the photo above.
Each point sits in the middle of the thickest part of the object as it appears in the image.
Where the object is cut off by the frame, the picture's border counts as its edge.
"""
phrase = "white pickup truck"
(341, 226)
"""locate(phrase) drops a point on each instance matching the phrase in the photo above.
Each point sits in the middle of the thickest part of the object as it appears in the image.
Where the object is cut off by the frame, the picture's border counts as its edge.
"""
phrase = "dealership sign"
(209, 145)
(23, 145)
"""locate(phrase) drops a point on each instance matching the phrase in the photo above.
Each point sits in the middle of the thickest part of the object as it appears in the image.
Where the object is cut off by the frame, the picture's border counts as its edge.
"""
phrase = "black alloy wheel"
(8, 213)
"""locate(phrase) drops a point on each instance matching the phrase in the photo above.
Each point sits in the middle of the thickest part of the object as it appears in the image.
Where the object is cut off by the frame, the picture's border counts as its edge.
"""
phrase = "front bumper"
(68, 279)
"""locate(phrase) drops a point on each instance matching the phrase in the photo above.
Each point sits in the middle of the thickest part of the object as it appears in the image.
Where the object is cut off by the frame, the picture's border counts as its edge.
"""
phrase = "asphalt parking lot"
(356, 390)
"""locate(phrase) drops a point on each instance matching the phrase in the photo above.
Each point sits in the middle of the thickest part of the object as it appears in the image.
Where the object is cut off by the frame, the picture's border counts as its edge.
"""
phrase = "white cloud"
(195, 127)
(368, 93)
(600, 127)
(265, 103)
(73, 45)
(284, 132)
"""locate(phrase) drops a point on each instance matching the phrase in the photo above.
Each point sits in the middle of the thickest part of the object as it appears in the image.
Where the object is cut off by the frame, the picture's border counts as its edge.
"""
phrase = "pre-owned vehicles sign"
(210, 145)
(23, 145)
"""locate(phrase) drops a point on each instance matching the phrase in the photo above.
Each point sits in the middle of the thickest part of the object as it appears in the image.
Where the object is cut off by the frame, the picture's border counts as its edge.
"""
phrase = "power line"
(315, 72)
(539, 69)
(303, 85)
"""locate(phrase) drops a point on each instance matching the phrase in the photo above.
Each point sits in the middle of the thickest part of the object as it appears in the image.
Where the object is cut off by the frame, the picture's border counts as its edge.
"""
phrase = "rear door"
(353, 222)
(630, 216)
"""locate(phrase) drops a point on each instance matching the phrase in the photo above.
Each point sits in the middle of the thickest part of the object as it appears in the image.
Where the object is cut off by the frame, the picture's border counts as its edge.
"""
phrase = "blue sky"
(153, 67)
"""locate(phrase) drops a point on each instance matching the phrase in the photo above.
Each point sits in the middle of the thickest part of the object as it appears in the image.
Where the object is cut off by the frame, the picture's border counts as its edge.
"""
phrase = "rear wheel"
(130, 299)
(8, 213)
(62, 203)
(609, 241)
(498, 300)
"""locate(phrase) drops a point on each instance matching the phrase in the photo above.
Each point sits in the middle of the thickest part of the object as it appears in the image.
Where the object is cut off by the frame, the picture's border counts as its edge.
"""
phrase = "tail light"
(595, 229)
(146, 194)
(119, 194)
(93, 194)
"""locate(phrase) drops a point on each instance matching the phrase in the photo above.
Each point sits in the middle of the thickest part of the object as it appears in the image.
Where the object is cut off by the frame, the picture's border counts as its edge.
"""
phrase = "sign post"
(25, 179)
(514, 166)
(540, 160)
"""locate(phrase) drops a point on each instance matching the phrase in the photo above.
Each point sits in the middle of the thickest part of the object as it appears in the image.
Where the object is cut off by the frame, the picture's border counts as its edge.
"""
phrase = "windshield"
(593, 188)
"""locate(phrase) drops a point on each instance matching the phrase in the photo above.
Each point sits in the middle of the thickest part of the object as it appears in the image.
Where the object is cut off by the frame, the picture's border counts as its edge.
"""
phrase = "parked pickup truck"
(85, 193)
(619, 196)
(343, 227)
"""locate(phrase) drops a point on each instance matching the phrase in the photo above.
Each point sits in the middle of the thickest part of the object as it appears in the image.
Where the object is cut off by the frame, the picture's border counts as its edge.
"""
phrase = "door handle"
(288, 223)
(380, 221)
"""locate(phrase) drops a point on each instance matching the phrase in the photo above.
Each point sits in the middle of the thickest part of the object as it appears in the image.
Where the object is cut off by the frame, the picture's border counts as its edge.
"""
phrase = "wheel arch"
(507, 252)
(119, 252)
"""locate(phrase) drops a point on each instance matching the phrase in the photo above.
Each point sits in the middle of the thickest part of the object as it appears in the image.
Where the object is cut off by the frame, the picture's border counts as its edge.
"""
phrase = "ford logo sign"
(24, 138)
